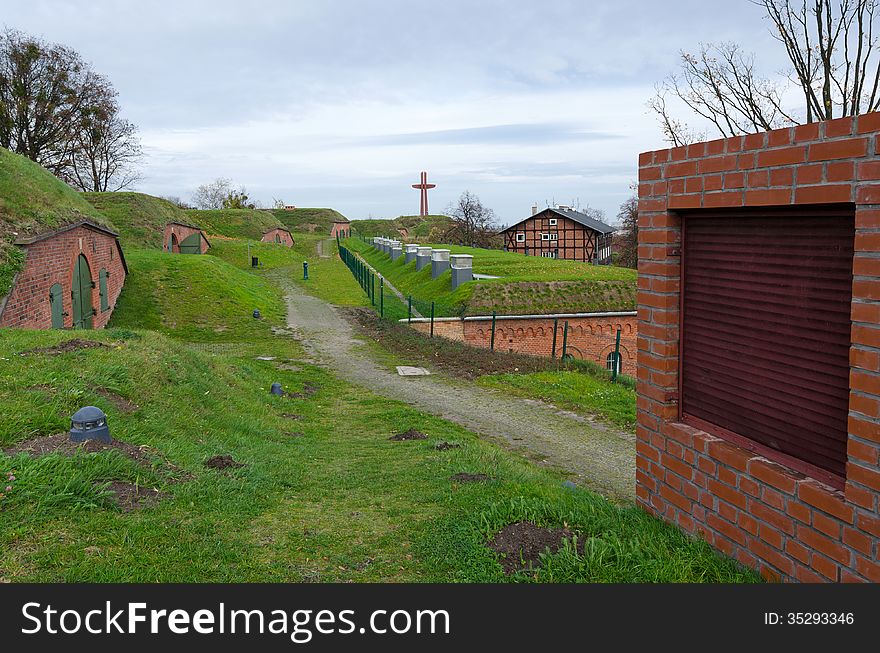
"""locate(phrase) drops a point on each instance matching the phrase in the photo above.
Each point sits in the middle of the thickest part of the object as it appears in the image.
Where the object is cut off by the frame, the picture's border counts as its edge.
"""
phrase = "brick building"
(280, 236)
(71, 278)
(591, 337)
(181, 238)
(560, 233)
(342, 228)
(759, 346)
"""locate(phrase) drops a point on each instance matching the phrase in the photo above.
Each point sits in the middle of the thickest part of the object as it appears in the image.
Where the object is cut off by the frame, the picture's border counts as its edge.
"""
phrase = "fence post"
(555, 326)
(409, 310)
(565, 340)
(492, 342)
(432, 319)
(381, 297)
(616, 363)
(372, 289)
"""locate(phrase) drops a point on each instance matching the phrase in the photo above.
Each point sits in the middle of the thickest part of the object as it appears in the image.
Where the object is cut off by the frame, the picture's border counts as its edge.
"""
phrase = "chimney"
(534, 209)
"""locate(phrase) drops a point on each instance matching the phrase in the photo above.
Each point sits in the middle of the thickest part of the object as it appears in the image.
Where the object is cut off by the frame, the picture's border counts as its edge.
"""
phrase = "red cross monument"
(424, 186)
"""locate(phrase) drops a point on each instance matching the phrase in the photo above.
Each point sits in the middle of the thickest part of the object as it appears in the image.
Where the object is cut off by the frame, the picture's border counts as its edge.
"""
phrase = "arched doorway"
(172, 243)
(277, 238)
(82, 294)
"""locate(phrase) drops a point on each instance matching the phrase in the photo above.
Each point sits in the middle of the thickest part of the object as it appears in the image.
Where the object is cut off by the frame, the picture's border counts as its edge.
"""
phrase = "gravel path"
(593, 455)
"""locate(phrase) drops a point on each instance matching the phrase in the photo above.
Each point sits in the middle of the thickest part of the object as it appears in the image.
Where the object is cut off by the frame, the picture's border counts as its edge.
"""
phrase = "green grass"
(33, 201)
(529, 284)
(337, 503)
(195, 298)
(139, 218)
(574, 390)
(234, 223)
(309, 220)
(417, 226)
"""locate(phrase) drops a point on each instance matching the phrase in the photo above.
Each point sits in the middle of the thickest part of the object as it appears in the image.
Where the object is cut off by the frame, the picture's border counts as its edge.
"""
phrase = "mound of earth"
(412, 434)
(222, 462)
(64, 347)
(446, 446)
(132, 497)
(60, 443)
(521, 544)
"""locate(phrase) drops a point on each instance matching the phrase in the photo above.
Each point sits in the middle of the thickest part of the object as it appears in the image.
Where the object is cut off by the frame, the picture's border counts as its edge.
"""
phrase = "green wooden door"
(82, 294)
(171, 243)
(277, 238)
(191, 244)
(56, 302)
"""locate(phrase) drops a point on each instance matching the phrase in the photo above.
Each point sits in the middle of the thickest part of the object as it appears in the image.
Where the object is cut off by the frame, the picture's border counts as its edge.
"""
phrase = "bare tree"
(212, 195)
(831, 47)
(105, 149)
(472, 223)
(628, 218)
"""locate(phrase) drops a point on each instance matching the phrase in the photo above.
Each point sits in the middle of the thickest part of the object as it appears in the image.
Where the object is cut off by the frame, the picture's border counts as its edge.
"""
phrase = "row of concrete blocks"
(461, 265)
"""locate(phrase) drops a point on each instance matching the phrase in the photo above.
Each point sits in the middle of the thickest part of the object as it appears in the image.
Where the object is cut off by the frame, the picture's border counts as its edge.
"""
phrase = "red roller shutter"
(766, 331)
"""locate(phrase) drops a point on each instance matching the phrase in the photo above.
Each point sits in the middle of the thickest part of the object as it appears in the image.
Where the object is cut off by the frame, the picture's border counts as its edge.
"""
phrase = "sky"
(341, 103)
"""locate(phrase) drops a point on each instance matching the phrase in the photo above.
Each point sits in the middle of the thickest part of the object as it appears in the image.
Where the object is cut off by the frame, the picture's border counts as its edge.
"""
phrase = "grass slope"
(234, 223)
(32, 201)
(528, 284)
(312, 220)
(195, 298)
(140, 218)
(416, 226)
(326, 497)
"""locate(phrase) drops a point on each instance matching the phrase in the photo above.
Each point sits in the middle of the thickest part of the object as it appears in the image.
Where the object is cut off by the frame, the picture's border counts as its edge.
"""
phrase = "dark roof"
(185, 224)
(277, 229)
(577, 216)
(24, 242)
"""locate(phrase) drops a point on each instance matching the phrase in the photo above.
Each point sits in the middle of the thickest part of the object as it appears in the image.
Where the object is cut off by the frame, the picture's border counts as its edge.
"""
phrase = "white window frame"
(549, 254)
(609, 361)
(549, 236)
(553, 222)
(520, 237)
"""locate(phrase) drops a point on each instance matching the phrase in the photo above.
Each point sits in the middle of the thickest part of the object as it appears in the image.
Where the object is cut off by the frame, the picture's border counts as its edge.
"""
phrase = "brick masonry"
(52, 261)
(181, 232)
(764, 514)
(589, 338)
(283, 234)
(341, 228)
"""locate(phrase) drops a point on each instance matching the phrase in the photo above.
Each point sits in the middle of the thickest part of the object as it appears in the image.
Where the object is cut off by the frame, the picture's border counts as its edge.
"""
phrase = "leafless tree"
(473, 224)
(212, 195)
(105, 149)
(832, 50)
(628, 218)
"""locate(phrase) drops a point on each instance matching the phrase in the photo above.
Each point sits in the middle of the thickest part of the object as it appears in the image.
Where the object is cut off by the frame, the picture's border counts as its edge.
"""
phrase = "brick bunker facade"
(283, 235)
(341, 228)
(762, 512)
(181, 232)
(52, 260)
(589, 338)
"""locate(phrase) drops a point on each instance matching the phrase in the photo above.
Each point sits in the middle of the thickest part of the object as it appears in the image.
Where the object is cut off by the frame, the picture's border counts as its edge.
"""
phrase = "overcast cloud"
(341, 103)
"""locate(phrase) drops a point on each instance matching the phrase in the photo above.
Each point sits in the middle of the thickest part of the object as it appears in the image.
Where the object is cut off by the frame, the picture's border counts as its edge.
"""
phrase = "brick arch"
(530, 332)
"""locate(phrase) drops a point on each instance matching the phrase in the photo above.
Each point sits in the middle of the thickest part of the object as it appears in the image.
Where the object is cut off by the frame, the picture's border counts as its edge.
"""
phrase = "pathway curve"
(593, 455)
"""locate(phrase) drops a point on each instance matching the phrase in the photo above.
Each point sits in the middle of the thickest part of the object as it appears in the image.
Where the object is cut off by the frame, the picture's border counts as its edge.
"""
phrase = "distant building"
(279, 235)
(341, 227)
(181, 238)
(289, 207)
(561, 232)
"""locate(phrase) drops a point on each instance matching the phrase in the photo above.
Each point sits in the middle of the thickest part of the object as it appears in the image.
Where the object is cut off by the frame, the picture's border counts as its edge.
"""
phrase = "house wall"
(182, 232)
(575, 242)
(51, 261)
(286, 238)
(589, 338)
(341, 228)
(757, 509)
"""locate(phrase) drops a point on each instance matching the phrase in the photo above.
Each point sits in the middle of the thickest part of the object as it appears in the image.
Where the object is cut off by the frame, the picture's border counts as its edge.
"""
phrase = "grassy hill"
(526, 284)
(234, 223)
(140, 218)
(416, 226)
(33, 200)
(314, 220)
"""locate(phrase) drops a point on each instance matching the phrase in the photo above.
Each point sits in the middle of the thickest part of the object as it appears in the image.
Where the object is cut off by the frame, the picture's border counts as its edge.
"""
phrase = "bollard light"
(305, 270)
(276, 389)
(257, 314)
(89, 423)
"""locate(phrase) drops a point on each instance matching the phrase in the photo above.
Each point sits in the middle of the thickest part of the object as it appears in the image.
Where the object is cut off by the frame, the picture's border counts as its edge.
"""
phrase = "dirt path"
(325, 248)
(593, 455)
(389, 285)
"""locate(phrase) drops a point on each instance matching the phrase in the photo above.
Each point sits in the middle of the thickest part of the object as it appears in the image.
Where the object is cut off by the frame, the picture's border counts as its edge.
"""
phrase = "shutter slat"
(766, 328)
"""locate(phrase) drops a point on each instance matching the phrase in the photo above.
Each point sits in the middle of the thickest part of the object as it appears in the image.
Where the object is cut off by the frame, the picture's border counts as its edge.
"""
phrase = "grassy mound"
(526, 284)
(415, 226)
(314, 220)
(195, 298)
(234, 223)
(140, 218)
(32, 201)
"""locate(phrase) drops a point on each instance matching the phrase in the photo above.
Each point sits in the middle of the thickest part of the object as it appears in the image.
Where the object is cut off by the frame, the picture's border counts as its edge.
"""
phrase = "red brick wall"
(286, 238)
(766, 515)
(589, 338)
(181, 232)
(341, 228)
(52, 261)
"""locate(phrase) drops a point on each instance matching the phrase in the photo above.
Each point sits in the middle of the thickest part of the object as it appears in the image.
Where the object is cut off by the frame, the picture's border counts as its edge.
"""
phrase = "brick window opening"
(765, 332)
(610, 361)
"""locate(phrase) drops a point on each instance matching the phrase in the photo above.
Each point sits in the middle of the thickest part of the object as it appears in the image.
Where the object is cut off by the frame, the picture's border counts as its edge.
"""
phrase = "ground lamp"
(257, 314)
(89, 423)
(305, 270)
(276, 389)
